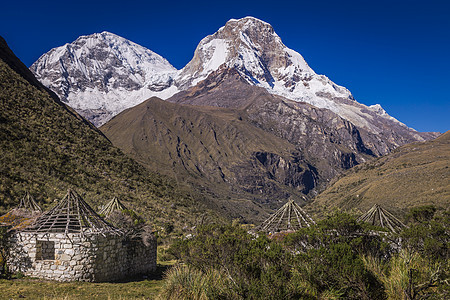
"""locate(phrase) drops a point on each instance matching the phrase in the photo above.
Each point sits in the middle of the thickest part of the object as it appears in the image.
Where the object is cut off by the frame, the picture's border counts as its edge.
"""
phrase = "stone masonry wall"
(70, 257)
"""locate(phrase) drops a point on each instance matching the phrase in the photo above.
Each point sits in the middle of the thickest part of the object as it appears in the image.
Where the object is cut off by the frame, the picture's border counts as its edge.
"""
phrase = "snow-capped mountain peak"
(102, 74)
(253, 48)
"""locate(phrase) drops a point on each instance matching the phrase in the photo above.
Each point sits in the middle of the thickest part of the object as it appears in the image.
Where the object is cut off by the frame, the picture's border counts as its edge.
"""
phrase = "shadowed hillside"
(215, 151)
(46, 148)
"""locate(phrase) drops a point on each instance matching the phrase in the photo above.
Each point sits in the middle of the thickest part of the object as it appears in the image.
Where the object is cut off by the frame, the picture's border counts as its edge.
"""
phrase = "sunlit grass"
(136, 288)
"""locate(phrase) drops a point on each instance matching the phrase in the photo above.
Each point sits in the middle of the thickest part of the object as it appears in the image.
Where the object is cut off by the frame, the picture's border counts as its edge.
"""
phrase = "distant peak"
(101, 35)
(107, 33)
(250, 26)
(247, 19)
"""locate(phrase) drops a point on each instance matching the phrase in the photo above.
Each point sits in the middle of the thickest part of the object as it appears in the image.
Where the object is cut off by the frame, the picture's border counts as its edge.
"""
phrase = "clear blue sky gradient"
(395, 53)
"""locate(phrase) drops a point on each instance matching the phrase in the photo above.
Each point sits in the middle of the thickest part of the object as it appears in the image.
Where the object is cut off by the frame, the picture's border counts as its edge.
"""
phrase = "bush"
(314, 262)
(336, 259)
(258, 267)
(421, 214)
(429, 237)
(184, 282)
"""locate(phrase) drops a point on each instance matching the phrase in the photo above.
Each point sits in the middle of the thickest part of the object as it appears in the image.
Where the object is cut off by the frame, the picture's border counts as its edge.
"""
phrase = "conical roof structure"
(27, 203)
(23, 214)
(380, 217)
(72, 215)
(289, 217)
(112, 206)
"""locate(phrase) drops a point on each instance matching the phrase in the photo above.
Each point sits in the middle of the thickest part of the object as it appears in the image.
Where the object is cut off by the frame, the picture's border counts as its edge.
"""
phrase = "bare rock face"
(322, 143)
(102, 74)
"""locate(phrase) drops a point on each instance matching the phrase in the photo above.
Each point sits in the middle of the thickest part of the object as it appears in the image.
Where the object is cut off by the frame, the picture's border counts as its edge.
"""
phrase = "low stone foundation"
(70, 257)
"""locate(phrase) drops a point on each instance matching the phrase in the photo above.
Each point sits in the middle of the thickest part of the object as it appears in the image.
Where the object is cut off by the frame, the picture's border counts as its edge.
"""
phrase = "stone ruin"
(72, 242)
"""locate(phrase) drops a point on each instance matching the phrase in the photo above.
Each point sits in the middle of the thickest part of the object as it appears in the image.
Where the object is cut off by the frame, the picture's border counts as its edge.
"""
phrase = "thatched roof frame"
(72, 215)
(378, 216)
(112, 206)
(23, 214)
(290, 217)
(29, 204)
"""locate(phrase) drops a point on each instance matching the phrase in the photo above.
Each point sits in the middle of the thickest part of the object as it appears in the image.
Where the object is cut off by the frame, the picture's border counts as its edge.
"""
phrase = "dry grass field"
(413, 175)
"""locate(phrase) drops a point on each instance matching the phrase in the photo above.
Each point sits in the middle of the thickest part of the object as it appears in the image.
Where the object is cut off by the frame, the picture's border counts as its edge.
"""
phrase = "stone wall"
(69, 257)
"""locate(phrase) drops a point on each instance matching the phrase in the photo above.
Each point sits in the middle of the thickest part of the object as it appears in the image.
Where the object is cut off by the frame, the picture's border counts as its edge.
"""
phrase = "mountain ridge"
(246, 140)
(253, 48)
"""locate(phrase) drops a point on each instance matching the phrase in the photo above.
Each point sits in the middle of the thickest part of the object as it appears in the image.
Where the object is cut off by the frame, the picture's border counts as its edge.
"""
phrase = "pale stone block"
(76, 257)
(65, 257)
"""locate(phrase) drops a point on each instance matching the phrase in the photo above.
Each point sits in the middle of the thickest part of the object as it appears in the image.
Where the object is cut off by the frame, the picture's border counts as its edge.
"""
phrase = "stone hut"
(72, 242)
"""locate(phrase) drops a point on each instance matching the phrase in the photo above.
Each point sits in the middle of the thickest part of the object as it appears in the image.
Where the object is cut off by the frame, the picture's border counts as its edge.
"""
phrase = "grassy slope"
(46, 148)
(412, 175)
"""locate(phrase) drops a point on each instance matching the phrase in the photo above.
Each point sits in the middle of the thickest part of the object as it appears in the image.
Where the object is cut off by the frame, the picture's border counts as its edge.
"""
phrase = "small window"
(45, 250)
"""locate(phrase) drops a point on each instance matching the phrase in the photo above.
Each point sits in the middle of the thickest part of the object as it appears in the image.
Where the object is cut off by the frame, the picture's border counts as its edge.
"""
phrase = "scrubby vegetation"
(336, 259)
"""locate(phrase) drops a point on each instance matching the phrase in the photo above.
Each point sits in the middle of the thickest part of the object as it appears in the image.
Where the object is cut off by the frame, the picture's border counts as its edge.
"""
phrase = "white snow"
(294, 80)
(219, 50)
(110, 61)
(285, 73)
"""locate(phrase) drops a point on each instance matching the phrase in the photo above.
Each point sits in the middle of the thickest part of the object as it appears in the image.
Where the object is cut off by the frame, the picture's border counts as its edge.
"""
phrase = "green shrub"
(429, 237)
(184, 282)
(421, 214)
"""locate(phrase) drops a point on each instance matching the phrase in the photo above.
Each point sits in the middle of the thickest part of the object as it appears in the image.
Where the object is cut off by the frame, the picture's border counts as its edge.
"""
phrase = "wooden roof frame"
(290, 217)
(378, 216)
(72, 215)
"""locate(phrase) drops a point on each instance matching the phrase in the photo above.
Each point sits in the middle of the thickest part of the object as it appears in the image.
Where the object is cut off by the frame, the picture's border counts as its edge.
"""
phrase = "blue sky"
(395, 53)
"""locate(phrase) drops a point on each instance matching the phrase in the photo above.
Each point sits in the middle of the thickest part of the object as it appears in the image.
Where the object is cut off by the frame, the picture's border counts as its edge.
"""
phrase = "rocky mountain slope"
(412, 175)
(102, 74)
(252, 47)
(46, 148)
(216, 151)
(239, 142)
